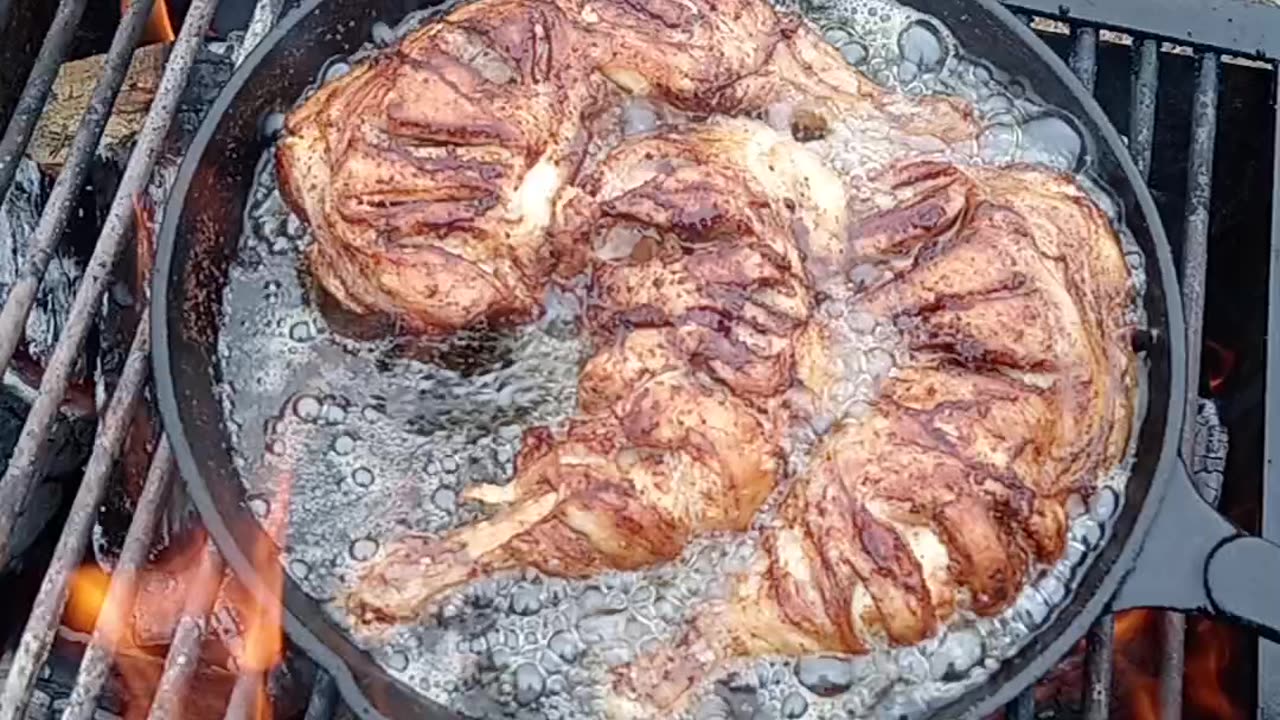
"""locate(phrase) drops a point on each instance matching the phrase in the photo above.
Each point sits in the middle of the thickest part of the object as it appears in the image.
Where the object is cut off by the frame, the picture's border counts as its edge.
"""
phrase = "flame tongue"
(159, 26)
(1206, 671)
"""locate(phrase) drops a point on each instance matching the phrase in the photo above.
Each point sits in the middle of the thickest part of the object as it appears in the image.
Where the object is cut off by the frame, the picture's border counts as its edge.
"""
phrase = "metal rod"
(1269, 652)
(53, 219)
(1195, 259)
(1142, 111)
(247, 696)
(34, 94)
(1099, 666)
(264, 17)
(184, 651)
(23, 464)
(324, 697)
(1084, 57)
(123, 588)
(43, 621)
(1100, 648)
(1195, 248)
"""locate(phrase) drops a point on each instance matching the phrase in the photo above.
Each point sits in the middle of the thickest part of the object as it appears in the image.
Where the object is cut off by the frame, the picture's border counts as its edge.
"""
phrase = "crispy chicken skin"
(431, 174)
(1011, 293)
(697, 294)
(449, 180)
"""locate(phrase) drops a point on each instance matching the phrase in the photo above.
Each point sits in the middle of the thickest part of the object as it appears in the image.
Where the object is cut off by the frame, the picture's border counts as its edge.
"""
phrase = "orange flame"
(162, 590)
(262, 643)
(1208, 664)
(87, 591)
(159, 25)
(1206, 670)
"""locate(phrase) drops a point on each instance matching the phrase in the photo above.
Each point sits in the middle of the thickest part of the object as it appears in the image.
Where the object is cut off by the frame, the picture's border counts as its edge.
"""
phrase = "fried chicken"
(450, 180)
(1012, 295)
(697, 294)
(431, 175)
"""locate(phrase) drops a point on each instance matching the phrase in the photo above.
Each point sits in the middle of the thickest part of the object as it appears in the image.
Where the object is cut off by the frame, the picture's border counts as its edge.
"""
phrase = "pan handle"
(1195, 560)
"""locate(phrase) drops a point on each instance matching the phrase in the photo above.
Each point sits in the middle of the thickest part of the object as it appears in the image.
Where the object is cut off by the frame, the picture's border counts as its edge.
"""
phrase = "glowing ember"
(87, 591)
(159, 26)
(1220, 362)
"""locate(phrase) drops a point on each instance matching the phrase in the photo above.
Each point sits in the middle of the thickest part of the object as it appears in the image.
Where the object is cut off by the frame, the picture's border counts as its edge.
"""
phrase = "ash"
(367, 440)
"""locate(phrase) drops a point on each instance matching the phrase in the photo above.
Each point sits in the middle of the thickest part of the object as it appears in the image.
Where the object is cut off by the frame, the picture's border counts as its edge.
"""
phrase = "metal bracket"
(1236, 27)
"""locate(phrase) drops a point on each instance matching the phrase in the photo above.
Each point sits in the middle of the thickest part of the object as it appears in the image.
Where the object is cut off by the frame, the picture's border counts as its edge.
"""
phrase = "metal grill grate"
(1239, 29)
(25, 464)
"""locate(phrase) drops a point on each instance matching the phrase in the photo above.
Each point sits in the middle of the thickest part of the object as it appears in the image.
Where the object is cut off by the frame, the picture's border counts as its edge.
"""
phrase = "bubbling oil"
(375, 442)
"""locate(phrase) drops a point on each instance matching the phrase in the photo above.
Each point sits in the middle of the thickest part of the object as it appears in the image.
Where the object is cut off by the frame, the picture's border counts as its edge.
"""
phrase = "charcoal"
(18, 218)
(118, 315)
(71, 438)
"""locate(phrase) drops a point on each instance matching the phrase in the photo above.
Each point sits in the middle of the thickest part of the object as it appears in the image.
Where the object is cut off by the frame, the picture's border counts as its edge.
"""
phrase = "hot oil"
(377, 438)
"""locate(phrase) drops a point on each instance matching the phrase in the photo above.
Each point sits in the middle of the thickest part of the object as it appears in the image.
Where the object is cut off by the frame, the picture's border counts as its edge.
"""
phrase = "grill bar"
(264, 17)
(23, 464)
(246, 697)
(1195, 258)
(53, 219)
(1099, 668)
(1142, 108)
(1084, 57)
(184, 651)
(43, 621)
(34, 94)
(1269, 652)
(123, 589)
(324, 697)
(1101, 637)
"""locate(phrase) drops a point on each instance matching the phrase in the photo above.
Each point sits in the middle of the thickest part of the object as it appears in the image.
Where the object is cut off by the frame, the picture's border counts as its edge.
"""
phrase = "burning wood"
(69, 101)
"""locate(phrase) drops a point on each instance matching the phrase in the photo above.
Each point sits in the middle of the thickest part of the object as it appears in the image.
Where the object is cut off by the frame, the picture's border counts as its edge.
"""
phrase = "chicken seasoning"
(386, 443)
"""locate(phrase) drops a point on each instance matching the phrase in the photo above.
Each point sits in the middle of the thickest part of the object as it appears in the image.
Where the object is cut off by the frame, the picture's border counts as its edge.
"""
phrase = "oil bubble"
(300, 569)
(363, 549)
(1103, 504)
(526, 601)
(529, 683)
(824, 676)
(854, 52)
(564, 645)
(306, 407)
(259, 506)
(1053, 140)
(301, 331)
(445, 499)
(382, 34)
(335, 70)
(362, 477)
(271, 126)
(344, 445)
(794, 705)
(921, 44)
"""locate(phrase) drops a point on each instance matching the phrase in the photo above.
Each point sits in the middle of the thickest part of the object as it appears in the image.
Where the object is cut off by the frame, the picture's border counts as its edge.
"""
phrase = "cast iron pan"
(1166, 547)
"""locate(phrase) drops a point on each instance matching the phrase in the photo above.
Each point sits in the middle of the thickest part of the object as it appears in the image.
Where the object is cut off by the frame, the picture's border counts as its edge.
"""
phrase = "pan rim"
(979, 702)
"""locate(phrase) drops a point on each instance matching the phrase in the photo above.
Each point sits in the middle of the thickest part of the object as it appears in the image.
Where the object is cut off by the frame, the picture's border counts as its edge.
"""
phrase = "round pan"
(1165, 548)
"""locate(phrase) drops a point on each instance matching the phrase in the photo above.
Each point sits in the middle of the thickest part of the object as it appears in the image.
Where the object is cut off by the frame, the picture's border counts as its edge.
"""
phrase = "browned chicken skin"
(1012, 297)
(449, 181)
(431, 174)
(696, 297)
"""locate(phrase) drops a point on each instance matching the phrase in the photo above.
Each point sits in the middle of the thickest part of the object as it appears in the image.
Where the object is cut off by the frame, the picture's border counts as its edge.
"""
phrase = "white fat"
(535, 198)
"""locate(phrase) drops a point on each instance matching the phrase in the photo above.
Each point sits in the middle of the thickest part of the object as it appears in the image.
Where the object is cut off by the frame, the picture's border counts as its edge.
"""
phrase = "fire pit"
(123, 609)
